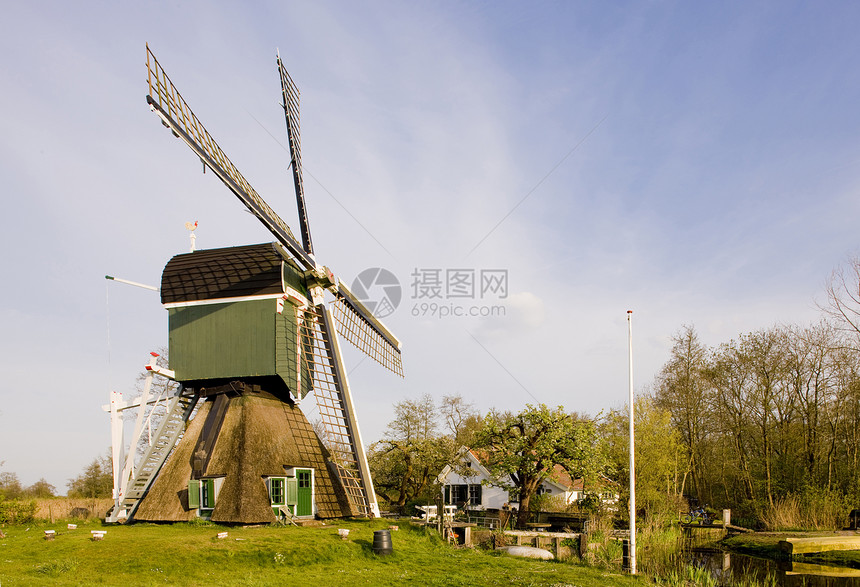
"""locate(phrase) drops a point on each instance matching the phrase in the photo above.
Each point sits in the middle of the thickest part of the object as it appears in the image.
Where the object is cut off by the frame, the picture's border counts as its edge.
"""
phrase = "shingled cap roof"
(232, 272)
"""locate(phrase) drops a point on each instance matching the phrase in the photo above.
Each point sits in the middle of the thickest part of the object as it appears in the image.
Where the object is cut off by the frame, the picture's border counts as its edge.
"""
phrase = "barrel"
(382, 542)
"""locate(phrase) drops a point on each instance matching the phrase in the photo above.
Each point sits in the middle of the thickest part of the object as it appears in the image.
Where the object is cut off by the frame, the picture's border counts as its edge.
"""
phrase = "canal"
(731, 568)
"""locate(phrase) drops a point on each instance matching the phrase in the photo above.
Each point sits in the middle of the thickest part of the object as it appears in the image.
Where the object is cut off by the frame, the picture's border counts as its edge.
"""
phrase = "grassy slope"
(186, 554)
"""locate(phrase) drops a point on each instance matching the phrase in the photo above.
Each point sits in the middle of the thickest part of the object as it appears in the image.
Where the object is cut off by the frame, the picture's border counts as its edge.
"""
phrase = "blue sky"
(697, 163)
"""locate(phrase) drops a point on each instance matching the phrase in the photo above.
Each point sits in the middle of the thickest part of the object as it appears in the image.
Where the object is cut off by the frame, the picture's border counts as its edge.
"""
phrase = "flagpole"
(632, 448)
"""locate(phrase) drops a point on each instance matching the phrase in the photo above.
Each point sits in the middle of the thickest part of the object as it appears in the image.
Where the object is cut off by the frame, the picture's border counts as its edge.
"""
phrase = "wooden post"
(625, 554)
(727, 518)
(583, 545)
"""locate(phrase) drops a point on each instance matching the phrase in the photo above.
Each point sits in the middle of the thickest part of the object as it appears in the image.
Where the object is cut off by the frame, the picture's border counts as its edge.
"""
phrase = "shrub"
(548, 503)
(16, 511)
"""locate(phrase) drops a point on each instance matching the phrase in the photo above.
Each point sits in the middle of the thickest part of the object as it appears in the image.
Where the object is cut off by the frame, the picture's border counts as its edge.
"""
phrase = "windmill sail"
(355, 322)
(334, 401)
(290, 96)
(360, 327)
(171, 107)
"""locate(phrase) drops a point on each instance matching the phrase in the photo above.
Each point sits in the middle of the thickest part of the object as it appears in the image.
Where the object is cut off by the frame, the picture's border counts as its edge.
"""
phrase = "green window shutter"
(193, 494)
(292, 491)
(208, 500)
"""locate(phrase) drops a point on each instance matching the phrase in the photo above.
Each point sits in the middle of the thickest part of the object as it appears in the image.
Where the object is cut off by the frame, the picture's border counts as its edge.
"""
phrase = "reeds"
(811, 509)
(72, 508)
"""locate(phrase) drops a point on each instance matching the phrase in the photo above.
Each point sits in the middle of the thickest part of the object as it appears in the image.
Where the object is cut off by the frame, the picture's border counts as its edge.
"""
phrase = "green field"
(191, 554)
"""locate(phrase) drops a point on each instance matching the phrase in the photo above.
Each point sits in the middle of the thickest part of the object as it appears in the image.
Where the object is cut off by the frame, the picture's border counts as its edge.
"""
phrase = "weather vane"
(191, 226)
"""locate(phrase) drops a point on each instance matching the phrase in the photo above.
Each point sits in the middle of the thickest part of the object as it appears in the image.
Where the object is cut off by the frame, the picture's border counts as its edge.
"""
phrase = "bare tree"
(682, 389)
(461, 419)
(406, 462)
(843, 295)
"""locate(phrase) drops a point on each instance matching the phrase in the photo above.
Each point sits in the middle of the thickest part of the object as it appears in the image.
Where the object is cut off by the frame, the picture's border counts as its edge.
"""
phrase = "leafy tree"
(10, 486)
(406, 462)
(661, 455)
(41, 489)
(525, 448)
(95, 481)
(773, 414)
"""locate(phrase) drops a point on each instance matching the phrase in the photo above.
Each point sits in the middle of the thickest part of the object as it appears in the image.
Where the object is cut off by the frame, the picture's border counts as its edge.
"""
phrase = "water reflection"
(732, 568)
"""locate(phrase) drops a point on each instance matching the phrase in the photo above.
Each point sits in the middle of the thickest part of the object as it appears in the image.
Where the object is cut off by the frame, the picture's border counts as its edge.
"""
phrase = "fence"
(495, 519)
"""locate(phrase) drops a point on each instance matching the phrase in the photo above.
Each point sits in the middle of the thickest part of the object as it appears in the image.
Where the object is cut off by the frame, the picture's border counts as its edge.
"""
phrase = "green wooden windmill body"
(232, 315)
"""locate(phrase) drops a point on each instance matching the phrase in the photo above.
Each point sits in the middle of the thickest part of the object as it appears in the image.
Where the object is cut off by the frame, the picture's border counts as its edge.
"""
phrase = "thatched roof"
(260, 436)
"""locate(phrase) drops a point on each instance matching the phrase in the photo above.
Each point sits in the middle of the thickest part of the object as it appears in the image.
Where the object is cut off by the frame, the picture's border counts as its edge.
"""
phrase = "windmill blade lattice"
(358, 330)
(290, 97)
(175, 113)
(329, 383)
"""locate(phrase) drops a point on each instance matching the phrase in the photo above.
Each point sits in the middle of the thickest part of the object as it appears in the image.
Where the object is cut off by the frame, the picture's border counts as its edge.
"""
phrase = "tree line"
(774, 413)
(771, 415)
(95, 481)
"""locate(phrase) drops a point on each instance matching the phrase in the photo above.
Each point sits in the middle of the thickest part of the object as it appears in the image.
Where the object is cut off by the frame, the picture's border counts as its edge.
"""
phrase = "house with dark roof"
(468, 484)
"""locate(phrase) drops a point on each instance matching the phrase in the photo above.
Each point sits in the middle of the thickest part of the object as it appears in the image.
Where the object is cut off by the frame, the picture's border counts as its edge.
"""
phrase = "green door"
(304, 499)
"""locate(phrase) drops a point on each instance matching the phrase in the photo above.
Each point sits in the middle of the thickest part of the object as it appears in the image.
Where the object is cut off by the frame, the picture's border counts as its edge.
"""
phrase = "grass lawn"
(191, 554)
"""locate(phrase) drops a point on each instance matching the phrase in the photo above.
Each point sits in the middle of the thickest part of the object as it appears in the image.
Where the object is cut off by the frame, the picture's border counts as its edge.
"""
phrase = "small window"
(456, 494)
(277, 491)
(475, 494)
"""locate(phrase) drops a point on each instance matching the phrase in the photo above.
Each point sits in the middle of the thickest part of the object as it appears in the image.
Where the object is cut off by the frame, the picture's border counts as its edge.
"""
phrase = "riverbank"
(766, 545)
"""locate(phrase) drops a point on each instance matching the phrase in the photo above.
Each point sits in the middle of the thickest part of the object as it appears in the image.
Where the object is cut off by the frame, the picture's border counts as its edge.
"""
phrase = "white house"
(472, 487)
(466, 488)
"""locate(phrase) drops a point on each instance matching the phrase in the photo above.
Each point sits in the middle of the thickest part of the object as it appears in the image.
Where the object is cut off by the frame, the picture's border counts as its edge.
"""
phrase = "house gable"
(457, 482)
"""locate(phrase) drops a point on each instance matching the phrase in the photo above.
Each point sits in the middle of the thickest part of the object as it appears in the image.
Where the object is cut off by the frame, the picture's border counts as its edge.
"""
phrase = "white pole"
(134, 283)
(632, 449)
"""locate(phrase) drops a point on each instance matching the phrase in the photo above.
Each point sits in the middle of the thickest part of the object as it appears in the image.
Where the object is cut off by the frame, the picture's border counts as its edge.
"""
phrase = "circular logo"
(379, 290)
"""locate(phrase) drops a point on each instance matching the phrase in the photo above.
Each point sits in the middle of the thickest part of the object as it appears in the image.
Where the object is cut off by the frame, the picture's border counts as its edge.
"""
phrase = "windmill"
(252, 331)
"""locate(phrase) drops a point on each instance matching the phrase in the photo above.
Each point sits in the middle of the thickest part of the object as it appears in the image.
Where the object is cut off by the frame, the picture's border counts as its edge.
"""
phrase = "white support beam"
(123, 456)
(351, 416)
